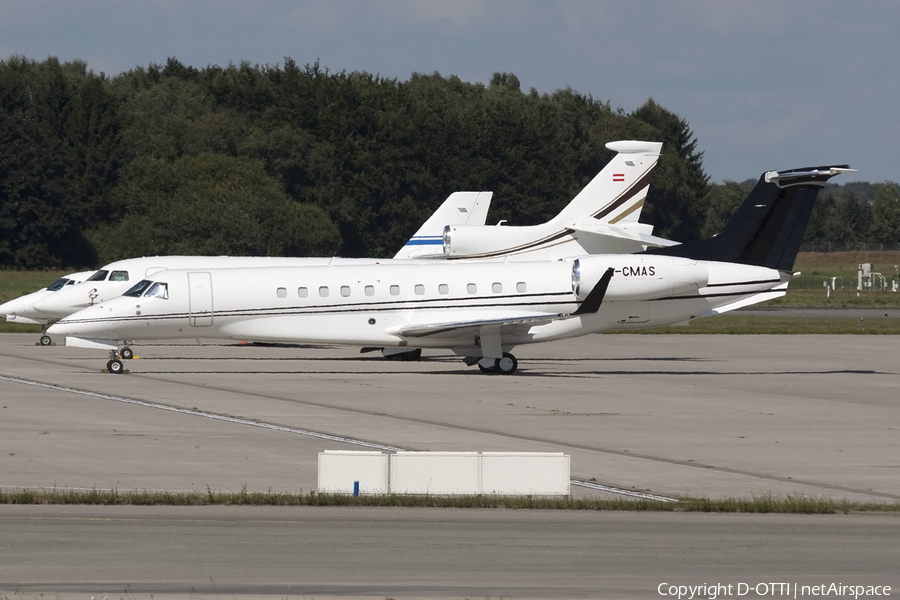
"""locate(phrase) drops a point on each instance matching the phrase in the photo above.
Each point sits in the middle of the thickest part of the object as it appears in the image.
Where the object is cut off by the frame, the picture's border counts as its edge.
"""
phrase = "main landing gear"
(504, 366)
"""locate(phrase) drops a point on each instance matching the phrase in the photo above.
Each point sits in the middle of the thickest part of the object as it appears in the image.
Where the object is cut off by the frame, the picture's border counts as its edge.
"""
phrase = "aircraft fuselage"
(437, 305)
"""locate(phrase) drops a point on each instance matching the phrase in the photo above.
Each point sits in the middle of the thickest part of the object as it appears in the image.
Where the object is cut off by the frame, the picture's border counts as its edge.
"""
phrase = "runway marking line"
(285, 429)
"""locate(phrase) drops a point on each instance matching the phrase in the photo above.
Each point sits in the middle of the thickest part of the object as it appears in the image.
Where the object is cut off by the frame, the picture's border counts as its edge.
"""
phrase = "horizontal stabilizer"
(629, 233)
(776, 292)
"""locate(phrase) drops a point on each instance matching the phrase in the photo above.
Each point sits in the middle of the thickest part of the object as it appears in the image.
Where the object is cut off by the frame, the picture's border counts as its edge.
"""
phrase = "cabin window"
(119, 276)
(370, 290)
(420, 289)
(281, 292)
(497, 287)
(443, 289)
(472, 288)
(520, 287)
(138, 289)
(323, 291)
(302, 292)
(98, 276)
(395, 290)
(345, 290)
(158, 290)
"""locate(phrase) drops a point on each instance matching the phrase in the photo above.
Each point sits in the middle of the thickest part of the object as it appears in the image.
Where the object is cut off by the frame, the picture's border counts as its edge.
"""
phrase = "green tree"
(674, 202)
(211, 204)
(886, 213)
(720, 203)
(58, 156)
(848, 219)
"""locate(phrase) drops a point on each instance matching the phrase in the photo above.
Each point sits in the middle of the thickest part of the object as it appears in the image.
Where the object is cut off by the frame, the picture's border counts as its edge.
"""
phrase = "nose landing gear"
(115, 365)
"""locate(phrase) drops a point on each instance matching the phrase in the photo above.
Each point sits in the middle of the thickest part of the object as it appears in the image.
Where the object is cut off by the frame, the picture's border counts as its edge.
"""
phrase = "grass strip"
(755, 504)
(774, 325)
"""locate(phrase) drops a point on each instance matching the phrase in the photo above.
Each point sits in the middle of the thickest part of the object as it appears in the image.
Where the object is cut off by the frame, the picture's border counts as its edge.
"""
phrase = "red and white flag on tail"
(618, 176)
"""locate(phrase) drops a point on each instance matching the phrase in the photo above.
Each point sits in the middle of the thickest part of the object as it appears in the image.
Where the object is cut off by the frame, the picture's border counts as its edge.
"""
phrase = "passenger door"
(201, 300)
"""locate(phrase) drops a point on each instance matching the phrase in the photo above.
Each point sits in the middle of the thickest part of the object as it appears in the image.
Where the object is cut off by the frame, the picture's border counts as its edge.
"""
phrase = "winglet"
(591, 304)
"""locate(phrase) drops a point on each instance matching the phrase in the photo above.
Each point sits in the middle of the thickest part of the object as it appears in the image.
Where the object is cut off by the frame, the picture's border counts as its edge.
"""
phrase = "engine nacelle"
(639, 277)
(474, 240)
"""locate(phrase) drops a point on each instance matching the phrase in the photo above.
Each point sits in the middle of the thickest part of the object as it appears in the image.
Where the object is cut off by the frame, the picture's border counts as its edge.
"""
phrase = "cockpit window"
(98, 276)
(138, 289)
(158, 290)
(58, 284)
(119, 276)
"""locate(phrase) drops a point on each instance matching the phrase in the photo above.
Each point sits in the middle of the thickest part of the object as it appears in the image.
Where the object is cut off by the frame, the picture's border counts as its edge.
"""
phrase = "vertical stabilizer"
(460, 208)
(768, 228)
(618, 192)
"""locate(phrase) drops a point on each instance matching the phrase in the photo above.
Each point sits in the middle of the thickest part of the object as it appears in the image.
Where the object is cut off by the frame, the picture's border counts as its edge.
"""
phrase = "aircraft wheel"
(45, 340)
(126, 353)
(507, 365)
(115, 366)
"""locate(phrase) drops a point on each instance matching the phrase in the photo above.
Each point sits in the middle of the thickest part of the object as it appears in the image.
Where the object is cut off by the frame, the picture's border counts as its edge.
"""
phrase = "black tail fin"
(768, 228)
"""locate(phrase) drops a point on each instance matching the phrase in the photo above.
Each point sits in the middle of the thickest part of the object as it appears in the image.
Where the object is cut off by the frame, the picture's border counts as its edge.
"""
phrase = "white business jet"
(479, 310)
(467, 208)
(21, 309)
(608, 207)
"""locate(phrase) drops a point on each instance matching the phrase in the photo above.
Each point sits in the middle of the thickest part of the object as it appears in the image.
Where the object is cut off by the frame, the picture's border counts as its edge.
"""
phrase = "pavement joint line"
(205, 414)
(580, 446)
(283, 428)
(615, 490)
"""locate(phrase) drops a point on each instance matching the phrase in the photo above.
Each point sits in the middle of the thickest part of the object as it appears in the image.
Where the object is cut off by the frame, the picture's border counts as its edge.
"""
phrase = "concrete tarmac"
(312, 552)
(717, 415)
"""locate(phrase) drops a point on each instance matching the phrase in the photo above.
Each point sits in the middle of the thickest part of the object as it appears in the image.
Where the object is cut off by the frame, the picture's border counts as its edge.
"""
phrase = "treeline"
(851, 215)
(291, 160)
(294, 160)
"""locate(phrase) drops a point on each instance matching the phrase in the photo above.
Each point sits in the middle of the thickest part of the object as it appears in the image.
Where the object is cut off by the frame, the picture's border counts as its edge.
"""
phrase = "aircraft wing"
(507, 324)
(463, 328)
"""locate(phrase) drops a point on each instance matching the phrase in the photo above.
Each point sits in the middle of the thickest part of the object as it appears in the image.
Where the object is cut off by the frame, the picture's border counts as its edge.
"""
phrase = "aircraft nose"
(62, 328)
(57, 305)
(92, 322)
(22, 306)
(75, 328)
